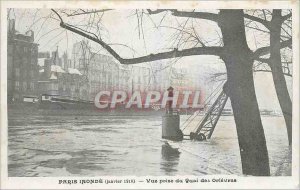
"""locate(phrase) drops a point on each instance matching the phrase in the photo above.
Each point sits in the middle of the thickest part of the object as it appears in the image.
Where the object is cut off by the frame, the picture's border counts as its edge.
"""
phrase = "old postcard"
(149, 95)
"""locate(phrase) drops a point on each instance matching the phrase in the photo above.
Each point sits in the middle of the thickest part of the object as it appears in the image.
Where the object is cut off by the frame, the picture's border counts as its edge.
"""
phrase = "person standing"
(170, 100)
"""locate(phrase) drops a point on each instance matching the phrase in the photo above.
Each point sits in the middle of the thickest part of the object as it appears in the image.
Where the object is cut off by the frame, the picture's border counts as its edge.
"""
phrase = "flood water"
(126, 145)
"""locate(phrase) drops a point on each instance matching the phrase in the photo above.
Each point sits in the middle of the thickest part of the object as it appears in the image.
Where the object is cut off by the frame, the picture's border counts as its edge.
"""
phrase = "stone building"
(125, 82)
(57, 78)
(22, 67)
(159, 77)
(100, 71)
(140, 78)
(103, 74)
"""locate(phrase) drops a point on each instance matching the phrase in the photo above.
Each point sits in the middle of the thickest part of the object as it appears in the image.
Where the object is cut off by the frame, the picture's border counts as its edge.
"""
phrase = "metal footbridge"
(201, 126)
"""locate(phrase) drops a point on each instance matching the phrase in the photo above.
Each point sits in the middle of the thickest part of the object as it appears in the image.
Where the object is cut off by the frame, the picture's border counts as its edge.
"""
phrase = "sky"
(142, 35)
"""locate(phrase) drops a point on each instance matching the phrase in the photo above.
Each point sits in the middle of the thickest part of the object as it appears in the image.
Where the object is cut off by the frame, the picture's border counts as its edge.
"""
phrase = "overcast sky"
(121, 27)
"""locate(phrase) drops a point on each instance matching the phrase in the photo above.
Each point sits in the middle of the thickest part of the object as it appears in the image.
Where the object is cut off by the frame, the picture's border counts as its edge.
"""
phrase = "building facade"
(100, 71)
(22, 67)
(56, 78)
(87, 73)
(140, 78)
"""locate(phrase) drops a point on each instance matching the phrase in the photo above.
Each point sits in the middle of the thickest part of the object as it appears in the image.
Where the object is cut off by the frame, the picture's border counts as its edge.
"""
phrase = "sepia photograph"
(141, 90)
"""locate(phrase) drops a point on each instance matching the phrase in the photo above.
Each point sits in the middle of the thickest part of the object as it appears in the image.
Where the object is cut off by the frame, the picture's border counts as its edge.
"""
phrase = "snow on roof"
(41, 61)
(57, 68)
(42, 70)
(53, 76)
(74, 71)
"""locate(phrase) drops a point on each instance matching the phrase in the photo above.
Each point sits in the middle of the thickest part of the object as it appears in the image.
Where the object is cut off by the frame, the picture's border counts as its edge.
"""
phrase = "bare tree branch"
(214, 50)
(265, 22)
(61, 20)
(256, 28)
(148, 58)
(261, 70)
(200, 15)
(265, 50)
(264, 60)
(87, 12)
(285, 17)
(265, 16)
(157, 11)
(257, 19)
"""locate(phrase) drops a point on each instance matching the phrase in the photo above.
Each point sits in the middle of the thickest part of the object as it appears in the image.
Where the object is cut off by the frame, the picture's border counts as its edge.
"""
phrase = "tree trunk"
(277, 72)
(240, 89)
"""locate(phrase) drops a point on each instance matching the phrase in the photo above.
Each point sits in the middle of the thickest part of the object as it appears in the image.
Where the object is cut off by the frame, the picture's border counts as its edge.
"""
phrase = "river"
(121, 145)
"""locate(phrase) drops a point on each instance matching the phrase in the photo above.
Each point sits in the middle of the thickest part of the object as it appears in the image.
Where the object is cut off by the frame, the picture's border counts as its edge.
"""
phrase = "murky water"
(119, 145)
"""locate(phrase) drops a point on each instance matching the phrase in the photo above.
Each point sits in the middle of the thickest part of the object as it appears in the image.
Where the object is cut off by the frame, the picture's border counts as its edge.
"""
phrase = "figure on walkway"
(169, 109)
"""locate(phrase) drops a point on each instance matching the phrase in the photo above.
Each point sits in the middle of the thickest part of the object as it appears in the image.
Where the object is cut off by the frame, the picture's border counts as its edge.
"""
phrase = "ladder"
(205, 125)
(210, 120)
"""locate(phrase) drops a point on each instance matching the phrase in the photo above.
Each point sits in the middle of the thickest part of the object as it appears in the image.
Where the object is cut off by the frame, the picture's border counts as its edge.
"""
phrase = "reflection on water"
(62, 145)
(170, 159)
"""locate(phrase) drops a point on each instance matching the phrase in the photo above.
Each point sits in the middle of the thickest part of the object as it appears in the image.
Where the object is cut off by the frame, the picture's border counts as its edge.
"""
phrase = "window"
(31, 86)
(17, 85)
(24, 85)
(33, 50)
(109, 80)
(17, 96)
(9, 49)
(25, 61)
(31, 74)
(17, 72)
(18, 48)
(54, 86)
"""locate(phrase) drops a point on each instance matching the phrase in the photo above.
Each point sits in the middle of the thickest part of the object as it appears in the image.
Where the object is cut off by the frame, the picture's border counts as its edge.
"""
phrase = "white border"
(243, 182)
